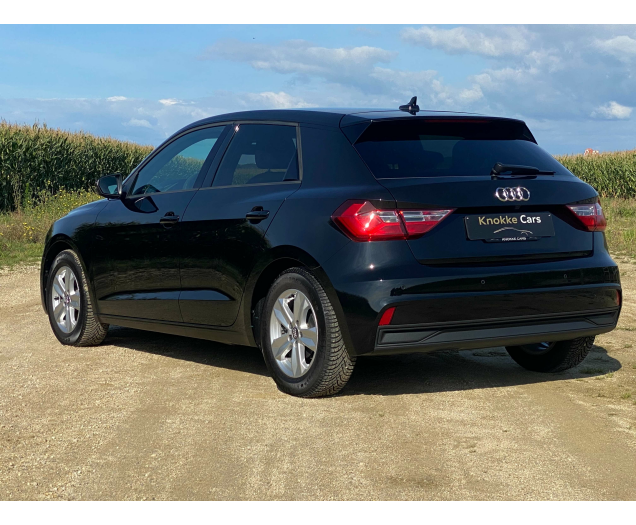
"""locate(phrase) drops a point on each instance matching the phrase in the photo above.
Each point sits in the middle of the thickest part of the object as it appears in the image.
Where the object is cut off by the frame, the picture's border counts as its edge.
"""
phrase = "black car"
(325, 235)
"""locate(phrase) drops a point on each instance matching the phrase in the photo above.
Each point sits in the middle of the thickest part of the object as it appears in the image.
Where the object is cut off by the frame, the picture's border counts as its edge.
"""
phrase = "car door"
(139, 237)
(225, 224)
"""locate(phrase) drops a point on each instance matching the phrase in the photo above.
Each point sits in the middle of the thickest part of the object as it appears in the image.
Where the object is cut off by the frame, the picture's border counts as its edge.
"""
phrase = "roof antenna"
(411, 107)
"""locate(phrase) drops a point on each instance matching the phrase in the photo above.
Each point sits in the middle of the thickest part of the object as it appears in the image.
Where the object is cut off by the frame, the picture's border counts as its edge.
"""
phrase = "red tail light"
(362, 221)
(590, 215)
(387, 316)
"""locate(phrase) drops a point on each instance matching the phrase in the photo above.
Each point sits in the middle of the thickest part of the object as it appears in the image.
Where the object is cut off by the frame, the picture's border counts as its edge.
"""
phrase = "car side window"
(259, 153)
(177, 166)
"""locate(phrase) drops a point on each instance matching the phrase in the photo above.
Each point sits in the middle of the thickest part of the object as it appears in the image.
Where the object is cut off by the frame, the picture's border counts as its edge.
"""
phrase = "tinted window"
(259, 153)
(426, 148)
(177, 166)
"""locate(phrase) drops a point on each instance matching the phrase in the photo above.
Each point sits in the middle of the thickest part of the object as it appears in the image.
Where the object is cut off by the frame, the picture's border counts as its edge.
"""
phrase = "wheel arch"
(267, 271)
(54, 247)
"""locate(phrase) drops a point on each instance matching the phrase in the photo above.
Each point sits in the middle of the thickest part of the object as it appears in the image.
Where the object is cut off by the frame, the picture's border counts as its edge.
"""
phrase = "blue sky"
(574, 85)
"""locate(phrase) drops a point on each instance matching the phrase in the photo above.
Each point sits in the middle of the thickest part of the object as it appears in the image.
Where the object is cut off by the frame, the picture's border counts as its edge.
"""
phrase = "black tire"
(88, 331)
(332, 366)
(555, 357)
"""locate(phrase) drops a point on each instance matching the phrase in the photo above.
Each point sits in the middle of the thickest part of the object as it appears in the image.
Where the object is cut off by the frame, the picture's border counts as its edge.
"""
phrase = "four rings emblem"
(512, 194)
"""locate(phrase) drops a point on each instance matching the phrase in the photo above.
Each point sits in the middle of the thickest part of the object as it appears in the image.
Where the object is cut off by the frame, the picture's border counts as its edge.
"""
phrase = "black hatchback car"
(325, 235)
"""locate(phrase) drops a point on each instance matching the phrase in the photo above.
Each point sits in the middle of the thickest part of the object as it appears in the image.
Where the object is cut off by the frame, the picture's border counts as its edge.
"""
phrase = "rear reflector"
(387, 316)
(362, 221)
(590, 215)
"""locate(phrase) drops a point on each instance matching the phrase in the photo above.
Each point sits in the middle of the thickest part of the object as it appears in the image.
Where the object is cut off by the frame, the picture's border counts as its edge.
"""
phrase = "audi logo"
(512, 194)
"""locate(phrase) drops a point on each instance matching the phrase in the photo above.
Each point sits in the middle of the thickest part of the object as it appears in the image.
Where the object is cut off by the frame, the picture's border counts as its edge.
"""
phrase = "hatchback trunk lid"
(447, 163)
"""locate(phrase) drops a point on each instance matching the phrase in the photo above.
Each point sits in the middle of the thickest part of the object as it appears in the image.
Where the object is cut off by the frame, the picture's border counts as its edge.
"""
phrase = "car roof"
(335, 117)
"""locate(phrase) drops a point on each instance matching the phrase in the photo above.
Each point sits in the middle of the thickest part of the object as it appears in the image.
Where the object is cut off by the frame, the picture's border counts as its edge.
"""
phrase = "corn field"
(37, 161)
(612, 174)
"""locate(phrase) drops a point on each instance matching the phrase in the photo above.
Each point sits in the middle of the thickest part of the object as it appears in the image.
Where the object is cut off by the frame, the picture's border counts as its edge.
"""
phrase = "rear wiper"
(504, 171)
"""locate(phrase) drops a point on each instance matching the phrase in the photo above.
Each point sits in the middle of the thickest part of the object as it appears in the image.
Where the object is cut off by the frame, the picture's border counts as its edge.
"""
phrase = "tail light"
(590, 215)
(387, 316)
(362, 221)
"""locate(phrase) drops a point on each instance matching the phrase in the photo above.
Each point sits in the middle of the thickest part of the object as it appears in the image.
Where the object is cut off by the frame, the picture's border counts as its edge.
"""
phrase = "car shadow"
(463, 370)
(385, 376)
(233, 357)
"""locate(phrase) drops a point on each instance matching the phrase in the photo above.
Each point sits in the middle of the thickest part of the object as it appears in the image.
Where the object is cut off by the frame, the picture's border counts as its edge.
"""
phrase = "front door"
(224, 226)
(139, 237)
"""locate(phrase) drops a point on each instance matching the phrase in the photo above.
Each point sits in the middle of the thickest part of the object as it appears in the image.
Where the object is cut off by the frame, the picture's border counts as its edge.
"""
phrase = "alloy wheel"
(65, 295)
(293, 333)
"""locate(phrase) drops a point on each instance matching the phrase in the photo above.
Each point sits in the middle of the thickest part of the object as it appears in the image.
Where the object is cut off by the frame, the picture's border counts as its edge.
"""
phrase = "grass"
(22, 232)
(590, 370)
(621, 225)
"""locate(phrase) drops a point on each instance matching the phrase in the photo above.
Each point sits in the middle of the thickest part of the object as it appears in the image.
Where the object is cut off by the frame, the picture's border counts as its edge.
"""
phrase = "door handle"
(257, 214)
(169, 219)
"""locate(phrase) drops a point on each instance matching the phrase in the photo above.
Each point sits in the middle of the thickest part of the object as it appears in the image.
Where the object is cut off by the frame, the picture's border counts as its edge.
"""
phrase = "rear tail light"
(362, 221)
(590, 215)
(387, 316)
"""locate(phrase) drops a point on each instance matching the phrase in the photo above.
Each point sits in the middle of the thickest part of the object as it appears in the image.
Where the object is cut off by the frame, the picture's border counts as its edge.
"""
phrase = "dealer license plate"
(509, 227)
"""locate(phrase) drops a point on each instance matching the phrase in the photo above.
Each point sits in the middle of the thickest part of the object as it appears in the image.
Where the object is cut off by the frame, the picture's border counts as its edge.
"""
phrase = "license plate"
(509, 227)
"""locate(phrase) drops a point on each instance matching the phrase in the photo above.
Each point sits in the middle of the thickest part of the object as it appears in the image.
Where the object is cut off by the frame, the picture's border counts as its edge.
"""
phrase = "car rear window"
(439, 148)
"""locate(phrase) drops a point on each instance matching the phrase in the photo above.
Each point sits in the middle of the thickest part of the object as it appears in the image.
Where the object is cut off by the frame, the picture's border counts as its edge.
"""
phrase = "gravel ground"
(150, 416)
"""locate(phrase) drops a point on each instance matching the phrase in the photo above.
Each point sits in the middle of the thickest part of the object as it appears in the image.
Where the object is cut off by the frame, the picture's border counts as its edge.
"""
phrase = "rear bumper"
(471, 306)
(492, 332)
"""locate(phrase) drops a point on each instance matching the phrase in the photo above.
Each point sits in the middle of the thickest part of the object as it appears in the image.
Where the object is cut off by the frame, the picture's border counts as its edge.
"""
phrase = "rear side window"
(438, 148)
(258, 154)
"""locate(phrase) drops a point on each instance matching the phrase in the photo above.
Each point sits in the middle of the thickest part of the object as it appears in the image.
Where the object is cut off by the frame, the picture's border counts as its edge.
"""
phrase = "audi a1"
(323, 236)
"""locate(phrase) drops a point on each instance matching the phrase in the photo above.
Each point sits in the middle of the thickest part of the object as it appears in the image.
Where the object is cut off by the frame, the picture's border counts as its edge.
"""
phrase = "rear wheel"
(552, 357)
(300, 337)
(69, 304)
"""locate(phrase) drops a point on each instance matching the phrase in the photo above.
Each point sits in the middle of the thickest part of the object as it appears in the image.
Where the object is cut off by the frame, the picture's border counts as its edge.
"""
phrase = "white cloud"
(169, 101)
(303, 58)
(116, 99)
(612, 110)
(280, 100)
(141, 123)
(621, 47)
(497, 42)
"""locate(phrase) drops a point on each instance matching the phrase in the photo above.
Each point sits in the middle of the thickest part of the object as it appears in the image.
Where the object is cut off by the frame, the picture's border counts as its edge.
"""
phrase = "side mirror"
(109, 186)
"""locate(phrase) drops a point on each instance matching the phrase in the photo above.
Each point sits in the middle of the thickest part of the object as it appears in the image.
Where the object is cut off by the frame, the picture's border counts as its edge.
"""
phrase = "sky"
(573, 85)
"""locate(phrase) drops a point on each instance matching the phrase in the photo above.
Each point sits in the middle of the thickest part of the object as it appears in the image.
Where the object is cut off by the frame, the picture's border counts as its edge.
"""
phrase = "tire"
(78, 327)
(552, 357)
(329, 366)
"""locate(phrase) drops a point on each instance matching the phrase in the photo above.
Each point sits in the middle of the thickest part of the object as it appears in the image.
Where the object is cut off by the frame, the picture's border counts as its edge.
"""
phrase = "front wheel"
(552, 357)
(300, 337)
(69, 304)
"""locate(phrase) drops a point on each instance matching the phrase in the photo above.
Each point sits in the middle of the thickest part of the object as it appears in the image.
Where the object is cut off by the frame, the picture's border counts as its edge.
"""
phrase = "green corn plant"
(37, 160)
(612, 174)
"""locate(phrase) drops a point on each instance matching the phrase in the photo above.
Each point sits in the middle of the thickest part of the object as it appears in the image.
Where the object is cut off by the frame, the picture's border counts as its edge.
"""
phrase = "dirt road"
(149, 416)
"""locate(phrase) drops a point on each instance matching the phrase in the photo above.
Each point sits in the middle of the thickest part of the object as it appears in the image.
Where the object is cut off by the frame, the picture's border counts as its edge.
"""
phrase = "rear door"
(225, 224)
(139, 238)
(429, 164)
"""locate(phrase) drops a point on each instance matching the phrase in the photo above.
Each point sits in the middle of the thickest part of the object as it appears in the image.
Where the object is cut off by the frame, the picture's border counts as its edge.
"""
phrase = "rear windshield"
(437, 148)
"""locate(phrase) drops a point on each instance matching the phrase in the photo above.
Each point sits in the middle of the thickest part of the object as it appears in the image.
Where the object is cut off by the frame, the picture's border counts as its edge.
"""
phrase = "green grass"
(22, 232)
(621, 225)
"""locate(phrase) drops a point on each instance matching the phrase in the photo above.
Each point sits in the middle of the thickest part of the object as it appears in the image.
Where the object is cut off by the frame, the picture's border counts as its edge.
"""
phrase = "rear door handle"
(257, 214)
(169, 219)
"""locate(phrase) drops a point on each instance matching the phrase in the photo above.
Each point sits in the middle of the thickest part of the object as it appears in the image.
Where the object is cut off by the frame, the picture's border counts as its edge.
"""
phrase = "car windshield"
(439, 148)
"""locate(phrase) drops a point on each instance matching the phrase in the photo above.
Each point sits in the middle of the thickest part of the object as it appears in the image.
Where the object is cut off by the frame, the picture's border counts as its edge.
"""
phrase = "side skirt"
(218, 334)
